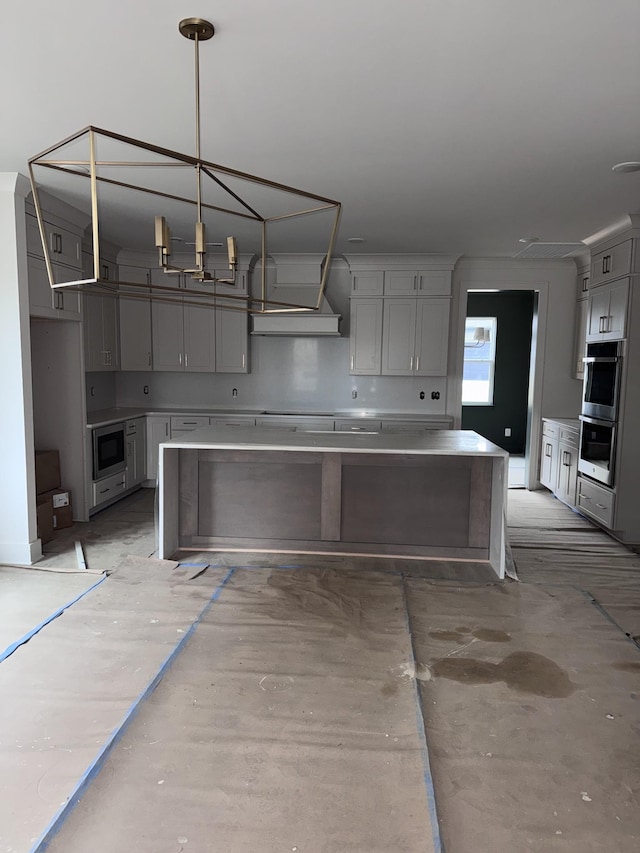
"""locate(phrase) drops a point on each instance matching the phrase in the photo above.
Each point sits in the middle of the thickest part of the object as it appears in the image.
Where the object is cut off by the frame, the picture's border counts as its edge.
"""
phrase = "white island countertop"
(431, 443)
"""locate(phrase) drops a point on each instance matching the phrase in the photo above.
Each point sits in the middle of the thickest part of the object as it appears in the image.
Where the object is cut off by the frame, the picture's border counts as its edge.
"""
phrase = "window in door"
(479, 361)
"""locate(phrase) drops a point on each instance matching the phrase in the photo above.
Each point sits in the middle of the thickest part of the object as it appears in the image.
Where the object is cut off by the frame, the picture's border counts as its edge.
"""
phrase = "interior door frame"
(540, 291)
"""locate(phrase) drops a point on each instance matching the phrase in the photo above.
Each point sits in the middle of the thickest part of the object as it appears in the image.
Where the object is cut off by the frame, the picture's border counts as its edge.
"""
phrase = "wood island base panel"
(439, 495)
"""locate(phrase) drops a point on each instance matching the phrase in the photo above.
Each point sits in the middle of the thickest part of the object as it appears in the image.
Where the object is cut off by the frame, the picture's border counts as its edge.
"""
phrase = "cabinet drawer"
(611, 263)
(222, 421)
(296, 424)
(104, 490)
(550, 428)
(596, 501)
(189, 423)
(413, 426)
(569, 436)
(358, 425)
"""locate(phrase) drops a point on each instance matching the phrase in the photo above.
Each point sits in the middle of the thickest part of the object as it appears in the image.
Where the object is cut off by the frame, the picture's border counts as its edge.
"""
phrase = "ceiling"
(453, 126)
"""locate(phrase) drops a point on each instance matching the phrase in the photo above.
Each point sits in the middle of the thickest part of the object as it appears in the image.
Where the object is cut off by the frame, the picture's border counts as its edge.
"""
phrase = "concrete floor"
(530, 691)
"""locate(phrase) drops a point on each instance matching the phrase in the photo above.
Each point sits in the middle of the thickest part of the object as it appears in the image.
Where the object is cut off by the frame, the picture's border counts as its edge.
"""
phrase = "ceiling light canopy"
(196, 198)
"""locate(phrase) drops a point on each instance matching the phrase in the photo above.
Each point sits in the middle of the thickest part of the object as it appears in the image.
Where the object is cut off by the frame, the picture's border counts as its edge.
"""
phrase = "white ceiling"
(441, 125)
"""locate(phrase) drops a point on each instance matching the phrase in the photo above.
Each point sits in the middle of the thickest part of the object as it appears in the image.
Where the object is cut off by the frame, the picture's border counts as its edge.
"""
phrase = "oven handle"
(597, 421)
(593, 359)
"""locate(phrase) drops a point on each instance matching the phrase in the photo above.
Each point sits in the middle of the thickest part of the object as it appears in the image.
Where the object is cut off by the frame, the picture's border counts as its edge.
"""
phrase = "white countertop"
(103, 417)
(432, 443)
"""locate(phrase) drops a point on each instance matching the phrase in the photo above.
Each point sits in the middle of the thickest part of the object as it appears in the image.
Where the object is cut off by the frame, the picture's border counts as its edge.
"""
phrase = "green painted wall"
(514, 312)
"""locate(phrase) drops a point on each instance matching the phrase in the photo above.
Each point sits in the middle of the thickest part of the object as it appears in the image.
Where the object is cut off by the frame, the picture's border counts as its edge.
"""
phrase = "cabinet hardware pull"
(186, 360)
(609, 323)
(180, 359)
(547, 450)
(243, 360)
(417, 363)
(103, 491)
(411, 363)
(585, 284)
(352, 362)
(600, 506)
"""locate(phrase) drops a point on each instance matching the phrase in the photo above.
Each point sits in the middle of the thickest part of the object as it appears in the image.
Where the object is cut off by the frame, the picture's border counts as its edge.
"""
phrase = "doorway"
(497, 352)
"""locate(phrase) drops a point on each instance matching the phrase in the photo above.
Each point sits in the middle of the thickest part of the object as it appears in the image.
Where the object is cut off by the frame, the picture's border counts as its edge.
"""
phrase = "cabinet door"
(42, 298)
(199, 339)
(611, 263)
(434, 283)
(232, 341)
(608, 311)
(616, 321)
(367, 283)
(399, 337)
(432, 337)
(365, 337)
(157, 432)
(549, 463)
(567, 473)
(168, 336)
(400, 283)
(92, 322)
(134, 315)
(582, 307)
(598, 312)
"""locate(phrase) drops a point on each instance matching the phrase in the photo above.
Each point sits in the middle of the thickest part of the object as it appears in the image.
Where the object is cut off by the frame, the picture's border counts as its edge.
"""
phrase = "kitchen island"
(435, 495)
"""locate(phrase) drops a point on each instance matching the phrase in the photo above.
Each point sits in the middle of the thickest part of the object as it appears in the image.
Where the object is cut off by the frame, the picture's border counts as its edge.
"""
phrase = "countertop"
(432, 443)
(103, 417)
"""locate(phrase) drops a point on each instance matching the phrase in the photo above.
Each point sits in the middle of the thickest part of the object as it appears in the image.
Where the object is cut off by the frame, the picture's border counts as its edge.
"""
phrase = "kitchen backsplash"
(308, 374)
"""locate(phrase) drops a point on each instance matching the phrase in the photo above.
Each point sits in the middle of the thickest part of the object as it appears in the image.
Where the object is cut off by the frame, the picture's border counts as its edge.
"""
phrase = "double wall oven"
(600, 407)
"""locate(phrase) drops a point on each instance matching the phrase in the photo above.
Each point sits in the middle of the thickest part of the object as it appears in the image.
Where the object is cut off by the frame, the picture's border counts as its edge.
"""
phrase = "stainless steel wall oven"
(108, 450)
(597, 449)
(601, 387)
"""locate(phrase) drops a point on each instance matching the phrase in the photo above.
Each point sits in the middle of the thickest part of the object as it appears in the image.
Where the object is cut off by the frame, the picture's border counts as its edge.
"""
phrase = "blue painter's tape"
(426, 766)
(116, 735)
(25, 639)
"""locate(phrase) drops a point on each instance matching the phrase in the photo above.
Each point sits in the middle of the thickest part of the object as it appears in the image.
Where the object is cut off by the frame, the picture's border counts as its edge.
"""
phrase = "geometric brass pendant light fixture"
(206, 200)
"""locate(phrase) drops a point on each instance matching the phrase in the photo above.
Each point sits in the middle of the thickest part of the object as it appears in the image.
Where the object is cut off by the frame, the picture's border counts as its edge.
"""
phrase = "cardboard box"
(61, 507)
(47, 471)
(44, 510)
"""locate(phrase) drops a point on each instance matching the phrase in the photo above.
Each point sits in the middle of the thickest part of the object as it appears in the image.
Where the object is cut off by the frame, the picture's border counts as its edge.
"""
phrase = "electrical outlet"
(145, 390)
(354, 394)
(507, 432)
(234, 393)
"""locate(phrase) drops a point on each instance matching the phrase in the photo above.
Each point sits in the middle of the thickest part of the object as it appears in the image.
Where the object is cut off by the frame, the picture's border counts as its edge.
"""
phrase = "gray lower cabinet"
(135, 452)
(559, 459)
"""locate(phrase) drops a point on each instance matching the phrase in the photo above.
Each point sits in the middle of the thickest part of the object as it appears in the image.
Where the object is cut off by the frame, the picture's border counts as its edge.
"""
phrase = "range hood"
(297, 281)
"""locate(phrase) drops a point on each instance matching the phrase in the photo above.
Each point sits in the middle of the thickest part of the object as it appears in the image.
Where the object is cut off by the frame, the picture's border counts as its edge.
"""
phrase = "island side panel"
(259, 494)
(498, 524)
(410, 500)
(169, 502)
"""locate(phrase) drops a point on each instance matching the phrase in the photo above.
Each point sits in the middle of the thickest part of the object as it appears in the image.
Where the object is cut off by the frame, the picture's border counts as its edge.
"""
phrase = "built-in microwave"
(601, 386)
(108, 450)
(597, 449)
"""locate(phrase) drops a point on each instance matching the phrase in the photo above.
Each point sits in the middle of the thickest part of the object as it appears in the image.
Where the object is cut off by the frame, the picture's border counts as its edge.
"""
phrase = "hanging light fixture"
(241, 200)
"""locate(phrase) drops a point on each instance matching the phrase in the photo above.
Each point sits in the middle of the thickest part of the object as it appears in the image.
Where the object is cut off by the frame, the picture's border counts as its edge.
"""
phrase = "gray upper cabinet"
(65, 253)
(415, 337)
(183, 334)
(607, 311)
(611, 263)
(135, 319)
(365, 340)
(232, 341)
